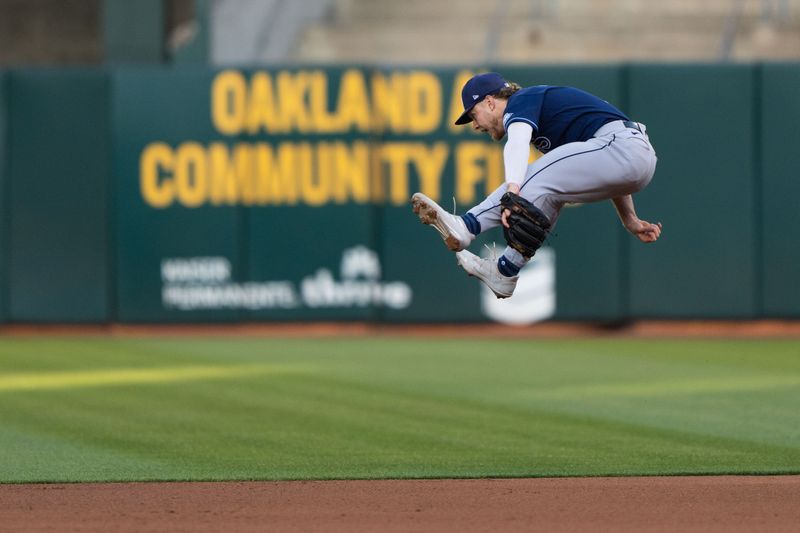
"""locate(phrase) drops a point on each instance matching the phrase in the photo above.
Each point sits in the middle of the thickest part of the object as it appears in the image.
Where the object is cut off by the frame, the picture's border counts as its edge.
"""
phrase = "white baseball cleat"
(486, 271)
(451, 227)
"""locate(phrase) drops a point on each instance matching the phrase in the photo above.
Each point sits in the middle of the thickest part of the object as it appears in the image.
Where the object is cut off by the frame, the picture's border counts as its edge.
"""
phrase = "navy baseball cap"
(476, 89)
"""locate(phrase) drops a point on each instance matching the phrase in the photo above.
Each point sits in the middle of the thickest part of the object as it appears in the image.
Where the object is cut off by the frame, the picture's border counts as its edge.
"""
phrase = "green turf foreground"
(223, 409)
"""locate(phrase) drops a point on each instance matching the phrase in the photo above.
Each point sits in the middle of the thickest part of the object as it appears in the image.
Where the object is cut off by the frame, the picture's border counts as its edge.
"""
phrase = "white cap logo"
(475, 96)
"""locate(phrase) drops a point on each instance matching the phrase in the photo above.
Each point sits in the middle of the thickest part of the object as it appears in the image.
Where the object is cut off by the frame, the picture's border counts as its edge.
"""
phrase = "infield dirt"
(632, 504)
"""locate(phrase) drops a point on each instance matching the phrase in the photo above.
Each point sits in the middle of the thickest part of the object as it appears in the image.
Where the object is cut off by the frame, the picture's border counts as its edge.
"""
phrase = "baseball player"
(592, 151)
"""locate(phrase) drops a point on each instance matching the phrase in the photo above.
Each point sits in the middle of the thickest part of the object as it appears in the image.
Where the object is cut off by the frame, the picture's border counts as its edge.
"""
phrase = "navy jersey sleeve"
(525, 106)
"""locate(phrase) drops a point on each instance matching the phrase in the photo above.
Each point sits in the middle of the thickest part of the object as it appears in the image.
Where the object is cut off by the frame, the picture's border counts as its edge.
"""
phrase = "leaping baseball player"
(592, 152)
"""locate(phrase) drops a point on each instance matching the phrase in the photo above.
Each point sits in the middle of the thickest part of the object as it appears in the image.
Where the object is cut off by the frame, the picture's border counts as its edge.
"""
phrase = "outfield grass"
(218, 409)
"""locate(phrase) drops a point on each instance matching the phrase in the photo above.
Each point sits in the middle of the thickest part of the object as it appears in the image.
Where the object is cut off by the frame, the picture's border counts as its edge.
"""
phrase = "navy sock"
(473, 225)
(506, 267)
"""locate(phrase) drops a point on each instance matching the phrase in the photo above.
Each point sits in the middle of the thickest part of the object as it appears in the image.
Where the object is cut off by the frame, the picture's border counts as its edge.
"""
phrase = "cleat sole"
(428, 216)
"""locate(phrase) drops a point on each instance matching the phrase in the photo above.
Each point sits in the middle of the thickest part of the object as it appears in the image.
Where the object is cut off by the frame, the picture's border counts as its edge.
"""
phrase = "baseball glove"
(528, 226)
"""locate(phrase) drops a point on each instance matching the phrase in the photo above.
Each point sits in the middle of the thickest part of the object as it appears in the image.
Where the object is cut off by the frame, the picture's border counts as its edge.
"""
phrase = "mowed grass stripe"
(656, 387)
(129, 376)
(391, 408)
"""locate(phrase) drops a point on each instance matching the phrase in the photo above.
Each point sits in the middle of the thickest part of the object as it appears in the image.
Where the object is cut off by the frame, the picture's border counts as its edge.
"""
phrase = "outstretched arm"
(515, 159)
(643, 230)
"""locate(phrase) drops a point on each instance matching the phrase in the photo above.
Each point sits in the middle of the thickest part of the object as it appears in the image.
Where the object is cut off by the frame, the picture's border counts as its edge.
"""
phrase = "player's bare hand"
(643, 230)
(514, 188)
(504, 217)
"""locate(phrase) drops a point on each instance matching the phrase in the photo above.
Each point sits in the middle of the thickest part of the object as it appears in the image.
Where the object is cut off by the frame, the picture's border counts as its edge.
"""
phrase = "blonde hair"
(506, 92)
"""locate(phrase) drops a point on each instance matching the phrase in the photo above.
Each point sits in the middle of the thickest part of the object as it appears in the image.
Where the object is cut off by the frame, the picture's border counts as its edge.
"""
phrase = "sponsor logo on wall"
(205, 283)
(534, 299)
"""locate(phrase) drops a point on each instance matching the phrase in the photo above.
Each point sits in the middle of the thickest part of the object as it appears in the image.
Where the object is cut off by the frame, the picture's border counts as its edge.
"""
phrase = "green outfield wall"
(4, 218)
(150, 194)
(58, 187)
(778, 190)
(704, 128)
